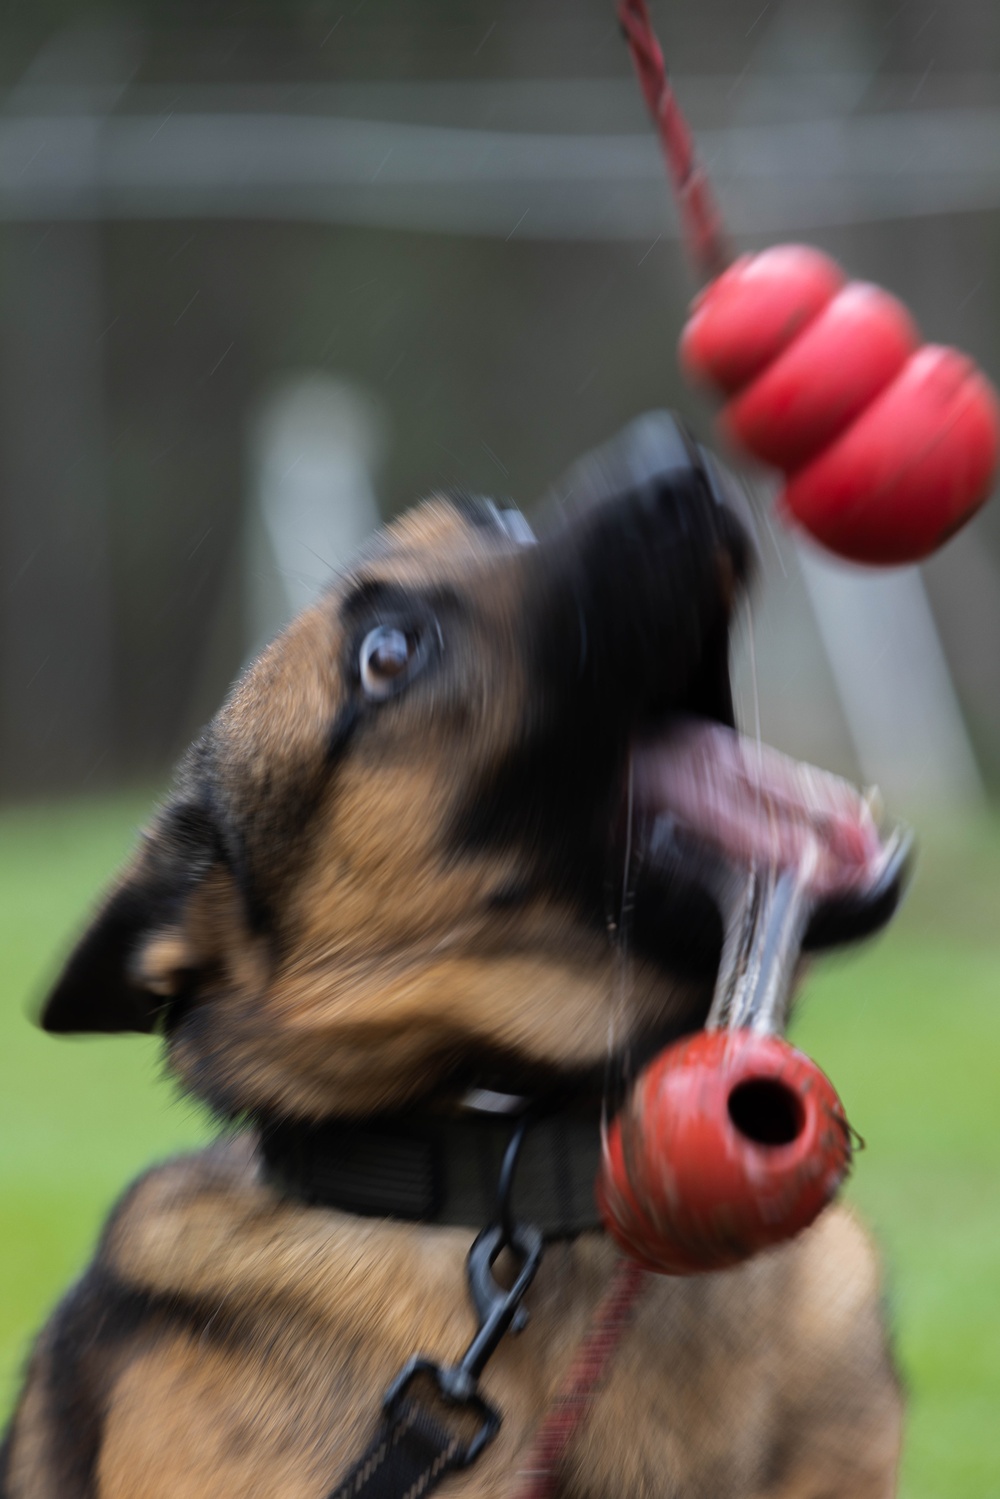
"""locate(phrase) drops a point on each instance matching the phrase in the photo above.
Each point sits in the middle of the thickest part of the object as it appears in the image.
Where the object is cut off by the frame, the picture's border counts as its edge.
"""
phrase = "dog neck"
(442, 1169)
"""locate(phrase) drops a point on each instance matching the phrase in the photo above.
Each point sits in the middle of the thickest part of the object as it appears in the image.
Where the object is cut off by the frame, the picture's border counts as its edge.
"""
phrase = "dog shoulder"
(841, 1391)
(54, 1439)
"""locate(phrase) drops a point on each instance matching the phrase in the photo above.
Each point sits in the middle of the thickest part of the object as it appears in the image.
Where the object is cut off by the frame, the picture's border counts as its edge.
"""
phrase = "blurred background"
(270, 271)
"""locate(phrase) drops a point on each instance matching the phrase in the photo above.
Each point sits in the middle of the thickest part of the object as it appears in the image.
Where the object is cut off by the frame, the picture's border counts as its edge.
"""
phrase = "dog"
(406, 878)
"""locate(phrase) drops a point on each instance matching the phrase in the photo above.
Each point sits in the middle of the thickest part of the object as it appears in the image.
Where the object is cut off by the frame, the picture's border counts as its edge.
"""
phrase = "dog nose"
(654, 452)
(652, 545)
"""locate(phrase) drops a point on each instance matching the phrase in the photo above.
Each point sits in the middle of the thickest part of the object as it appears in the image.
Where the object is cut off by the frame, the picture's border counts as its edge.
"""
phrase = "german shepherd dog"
(417, 864)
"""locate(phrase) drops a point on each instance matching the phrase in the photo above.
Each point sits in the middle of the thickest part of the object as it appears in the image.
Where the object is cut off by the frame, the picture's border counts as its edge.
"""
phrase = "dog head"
(425, 844)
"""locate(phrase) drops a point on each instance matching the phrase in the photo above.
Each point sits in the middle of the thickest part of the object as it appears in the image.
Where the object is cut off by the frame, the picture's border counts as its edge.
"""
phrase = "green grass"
(909, 1028)
(78, 1118)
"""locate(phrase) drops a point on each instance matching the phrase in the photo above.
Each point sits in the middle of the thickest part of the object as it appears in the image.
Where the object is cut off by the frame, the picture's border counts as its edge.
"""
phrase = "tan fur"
(269, 1329)
(778, 1366)
(389, 941)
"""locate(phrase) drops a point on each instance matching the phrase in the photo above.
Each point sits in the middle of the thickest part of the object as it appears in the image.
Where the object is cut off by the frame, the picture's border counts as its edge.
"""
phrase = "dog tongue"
(758, 807)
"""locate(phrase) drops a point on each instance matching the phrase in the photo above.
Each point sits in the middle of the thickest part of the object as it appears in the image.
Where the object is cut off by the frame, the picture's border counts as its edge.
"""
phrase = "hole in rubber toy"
(766, 1112)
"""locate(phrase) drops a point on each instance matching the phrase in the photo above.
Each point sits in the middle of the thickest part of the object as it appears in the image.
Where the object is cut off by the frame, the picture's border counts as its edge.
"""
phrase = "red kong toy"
(732, 1140)
(888, 448)
(729, 1142)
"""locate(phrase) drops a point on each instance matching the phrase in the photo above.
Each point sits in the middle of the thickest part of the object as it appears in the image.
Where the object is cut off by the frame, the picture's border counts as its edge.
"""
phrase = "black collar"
(427, 1168)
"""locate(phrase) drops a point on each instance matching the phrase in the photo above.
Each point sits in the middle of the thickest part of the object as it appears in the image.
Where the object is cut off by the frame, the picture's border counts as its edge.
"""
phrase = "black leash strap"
(409, 1456)
(421, 1439)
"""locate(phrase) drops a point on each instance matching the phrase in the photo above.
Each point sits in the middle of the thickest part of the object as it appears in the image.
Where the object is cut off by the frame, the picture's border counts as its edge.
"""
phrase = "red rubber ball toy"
(730, 1142)
(745, 318)
(861, 340)
(888, 448)
(912, 469)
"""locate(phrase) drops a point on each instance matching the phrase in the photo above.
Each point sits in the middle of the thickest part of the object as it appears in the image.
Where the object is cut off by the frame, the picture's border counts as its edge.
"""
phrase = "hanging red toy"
(887, 448)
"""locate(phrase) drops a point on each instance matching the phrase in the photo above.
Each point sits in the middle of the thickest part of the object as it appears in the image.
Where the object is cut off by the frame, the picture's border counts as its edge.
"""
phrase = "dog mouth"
(703, 808)
(749, 807)
(708, 807)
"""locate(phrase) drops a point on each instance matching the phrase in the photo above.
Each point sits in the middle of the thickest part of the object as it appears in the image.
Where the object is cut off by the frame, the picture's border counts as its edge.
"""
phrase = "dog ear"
(136, 955)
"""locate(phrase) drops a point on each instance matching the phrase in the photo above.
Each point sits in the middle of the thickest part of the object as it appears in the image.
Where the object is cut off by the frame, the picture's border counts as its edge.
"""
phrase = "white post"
(315, 444)
(894, 683)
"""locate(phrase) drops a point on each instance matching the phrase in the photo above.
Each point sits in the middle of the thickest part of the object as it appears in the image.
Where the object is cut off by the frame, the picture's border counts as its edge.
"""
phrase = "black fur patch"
(79, 1360)
(95, 992)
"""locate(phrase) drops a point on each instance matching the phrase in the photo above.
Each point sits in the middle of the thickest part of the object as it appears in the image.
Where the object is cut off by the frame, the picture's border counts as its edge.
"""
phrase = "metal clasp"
(499, 1311)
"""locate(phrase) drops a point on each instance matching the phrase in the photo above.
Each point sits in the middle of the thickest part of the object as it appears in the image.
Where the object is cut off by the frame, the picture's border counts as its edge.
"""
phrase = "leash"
(434, 1418)
(413, 1448)
(541, 1471)
(421, 1439)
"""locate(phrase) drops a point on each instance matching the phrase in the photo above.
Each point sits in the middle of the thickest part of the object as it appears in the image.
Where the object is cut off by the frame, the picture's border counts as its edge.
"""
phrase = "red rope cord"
(701, 220)
(540, 1473)
(705, 236)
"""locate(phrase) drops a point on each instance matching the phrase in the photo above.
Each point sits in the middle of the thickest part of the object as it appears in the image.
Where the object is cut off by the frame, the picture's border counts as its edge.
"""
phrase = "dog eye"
(387, 655)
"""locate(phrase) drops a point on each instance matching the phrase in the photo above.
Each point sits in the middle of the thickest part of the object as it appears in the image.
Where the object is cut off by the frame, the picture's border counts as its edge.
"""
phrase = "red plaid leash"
(540, 1472)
